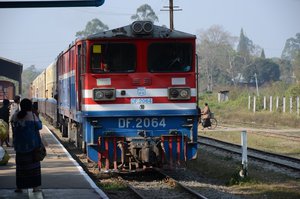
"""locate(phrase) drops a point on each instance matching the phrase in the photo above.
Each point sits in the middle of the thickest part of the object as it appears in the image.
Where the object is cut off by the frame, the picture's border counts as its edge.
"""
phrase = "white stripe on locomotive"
(163, 92)
(131, 107)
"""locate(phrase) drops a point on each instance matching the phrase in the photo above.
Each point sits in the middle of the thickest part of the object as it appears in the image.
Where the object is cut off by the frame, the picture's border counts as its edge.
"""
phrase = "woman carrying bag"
(26, 140)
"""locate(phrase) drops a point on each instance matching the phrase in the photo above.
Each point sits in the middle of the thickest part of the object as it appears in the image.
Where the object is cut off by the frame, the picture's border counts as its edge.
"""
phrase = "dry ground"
(263, 180)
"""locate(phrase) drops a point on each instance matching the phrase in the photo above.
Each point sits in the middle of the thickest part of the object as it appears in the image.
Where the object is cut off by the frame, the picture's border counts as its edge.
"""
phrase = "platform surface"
(62, 177)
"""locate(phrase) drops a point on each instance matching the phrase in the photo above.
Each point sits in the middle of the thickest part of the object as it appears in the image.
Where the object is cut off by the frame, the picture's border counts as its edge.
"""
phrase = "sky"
(35, 36)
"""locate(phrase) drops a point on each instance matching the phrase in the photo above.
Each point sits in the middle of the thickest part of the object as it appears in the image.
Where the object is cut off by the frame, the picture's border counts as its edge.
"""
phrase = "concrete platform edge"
(89, 180)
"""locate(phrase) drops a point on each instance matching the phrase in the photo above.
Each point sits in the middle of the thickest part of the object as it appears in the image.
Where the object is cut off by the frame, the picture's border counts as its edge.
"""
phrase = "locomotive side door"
(81, 65)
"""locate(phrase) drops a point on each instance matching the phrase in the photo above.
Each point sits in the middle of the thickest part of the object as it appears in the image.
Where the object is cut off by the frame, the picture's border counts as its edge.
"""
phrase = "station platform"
(62, 177)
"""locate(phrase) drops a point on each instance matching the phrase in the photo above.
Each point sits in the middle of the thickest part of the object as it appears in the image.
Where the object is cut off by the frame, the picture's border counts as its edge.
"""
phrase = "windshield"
(170, 57)
(113, 57)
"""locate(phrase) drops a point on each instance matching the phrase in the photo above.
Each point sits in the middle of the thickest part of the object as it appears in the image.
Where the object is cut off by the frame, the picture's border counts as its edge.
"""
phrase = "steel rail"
(191, 191)
(253, 153)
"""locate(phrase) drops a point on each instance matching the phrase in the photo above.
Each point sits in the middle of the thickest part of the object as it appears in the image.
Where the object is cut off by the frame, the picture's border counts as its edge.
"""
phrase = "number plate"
(141, 101)
(139, 122)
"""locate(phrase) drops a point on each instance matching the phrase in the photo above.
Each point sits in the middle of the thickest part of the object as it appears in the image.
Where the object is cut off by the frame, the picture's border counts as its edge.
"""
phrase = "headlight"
(142, 27)
(184, 93)
(109, 94)
(174, 93)
(104, 94)
(98, 94)
(179, 93)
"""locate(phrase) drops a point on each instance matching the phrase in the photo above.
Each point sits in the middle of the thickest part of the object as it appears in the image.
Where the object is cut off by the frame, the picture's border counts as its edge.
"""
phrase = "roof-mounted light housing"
(142, 27)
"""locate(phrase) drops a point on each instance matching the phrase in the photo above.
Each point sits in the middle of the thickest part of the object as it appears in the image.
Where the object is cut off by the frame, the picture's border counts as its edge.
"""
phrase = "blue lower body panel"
(119, 142)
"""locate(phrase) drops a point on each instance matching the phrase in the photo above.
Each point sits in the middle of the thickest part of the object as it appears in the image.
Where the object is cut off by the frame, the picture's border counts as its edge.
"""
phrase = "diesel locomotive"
(127, 96)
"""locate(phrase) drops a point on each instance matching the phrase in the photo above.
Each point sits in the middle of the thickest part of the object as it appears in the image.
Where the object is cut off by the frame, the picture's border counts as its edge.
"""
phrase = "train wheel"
(79, 137)
(64, 129)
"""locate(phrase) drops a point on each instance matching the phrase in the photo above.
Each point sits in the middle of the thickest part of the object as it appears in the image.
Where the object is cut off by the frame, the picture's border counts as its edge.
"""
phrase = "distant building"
(241, 81)
(10, 78)
(223, 96)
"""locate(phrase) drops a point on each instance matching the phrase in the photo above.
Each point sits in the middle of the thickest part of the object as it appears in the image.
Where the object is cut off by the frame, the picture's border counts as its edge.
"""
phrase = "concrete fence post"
(244, 171)
(271, 103)
(283, 104)
(249, 102)
(254, 104)
(297, 105)
(291, 104)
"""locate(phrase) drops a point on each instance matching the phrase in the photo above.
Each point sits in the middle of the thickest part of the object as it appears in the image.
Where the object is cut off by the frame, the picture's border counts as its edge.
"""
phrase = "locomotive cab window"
(170, 57)
(113, 58)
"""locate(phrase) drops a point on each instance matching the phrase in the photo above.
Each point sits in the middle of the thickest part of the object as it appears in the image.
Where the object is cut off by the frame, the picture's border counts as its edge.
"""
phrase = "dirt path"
(253, 129)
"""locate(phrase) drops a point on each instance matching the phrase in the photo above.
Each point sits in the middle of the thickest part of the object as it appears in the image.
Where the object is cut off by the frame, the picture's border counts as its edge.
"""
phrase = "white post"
(265, 103)
(271, 103)
(297, 105)
(244, 171)
(283, 104)
(249, 102)
(291, 104)
(256, 84)
(277, 103)
(254, 104)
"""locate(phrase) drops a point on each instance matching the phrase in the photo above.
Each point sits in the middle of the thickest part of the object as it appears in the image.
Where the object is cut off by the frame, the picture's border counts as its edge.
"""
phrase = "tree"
(215, 47)
(145, 13)
(28, 75)
(245, 47)
(92, 27)
(296, 65)
(291, 48)
(265, 69)
(294, 90)
(286, 69)
(262, 55)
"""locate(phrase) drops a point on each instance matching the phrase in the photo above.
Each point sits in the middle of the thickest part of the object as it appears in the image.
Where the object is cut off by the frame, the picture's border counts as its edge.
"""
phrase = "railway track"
(289, 134)
(165, 184)
(155, 183)
(275, 159)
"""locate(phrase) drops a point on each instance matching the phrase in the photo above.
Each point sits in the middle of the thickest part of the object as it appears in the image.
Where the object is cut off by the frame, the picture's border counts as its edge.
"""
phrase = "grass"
(113, 185)
(259, 141)
(236, 108)
(260, 183)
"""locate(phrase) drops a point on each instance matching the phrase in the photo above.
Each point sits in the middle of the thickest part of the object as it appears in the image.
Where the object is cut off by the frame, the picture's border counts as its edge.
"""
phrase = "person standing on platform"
(4, 115)
(26, 139)
(15, 106)
(14, 109)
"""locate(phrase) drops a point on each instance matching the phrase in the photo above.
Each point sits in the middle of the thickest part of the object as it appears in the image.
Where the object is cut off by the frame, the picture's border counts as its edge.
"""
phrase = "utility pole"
(256, 84)
(171, 11)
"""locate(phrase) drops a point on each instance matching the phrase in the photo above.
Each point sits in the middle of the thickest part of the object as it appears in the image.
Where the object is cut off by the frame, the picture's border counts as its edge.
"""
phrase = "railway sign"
(49, 3)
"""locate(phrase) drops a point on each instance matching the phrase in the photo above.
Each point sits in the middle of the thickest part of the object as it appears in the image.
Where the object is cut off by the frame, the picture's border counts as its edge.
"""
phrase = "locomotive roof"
(10, 68)
(127, 31)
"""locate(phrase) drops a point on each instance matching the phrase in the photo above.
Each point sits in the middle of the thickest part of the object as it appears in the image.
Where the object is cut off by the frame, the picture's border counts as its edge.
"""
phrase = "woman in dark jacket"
(26, 139)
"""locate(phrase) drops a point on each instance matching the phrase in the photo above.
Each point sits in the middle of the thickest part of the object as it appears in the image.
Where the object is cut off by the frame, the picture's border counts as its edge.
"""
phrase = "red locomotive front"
(128, 96)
